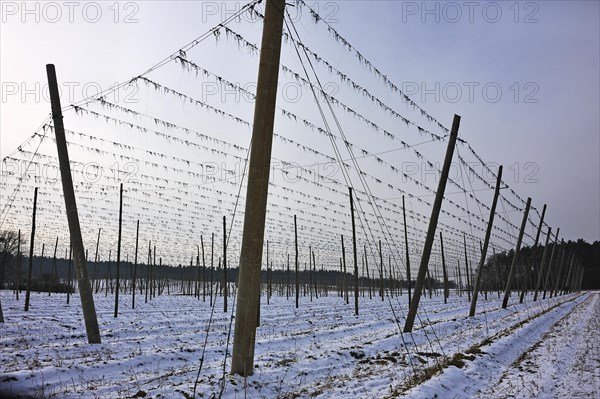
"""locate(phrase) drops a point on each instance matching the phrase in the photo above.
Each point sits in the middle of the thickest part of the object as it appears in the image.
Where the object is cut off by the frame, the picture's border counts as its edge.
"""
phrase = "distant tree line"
(583, 254)
(55, 275)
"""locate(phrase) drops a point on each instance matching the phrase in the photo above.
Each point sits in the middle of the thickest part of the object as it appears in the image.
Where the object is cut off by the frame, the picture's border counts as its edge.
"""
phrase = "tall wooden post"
(355, 256)
(287, 291)
(513, 267)
(147, 288)
(28, 293)
(406, 247)
(69, 284)
(566, 283)
(486, 241)
(96, 280)
(380, 272)
(571, 287)
(197, 279)
(54, 274)
(137, 236)
(310, 277)
(248, 300)
(537, 238)
(550, 263)
(367, 269)
(392, 280)
(203, 271)
(539, 229)
(344, 275)
(561, 266)
(19, 265)
(85, 288)
(212, 262)
(296, 262)
(225, 266)
(460, 290)
(41, 269)
(541, 270)
(429, 283)
(435, 212)
(467, 268)
(268, 276)
(446, 290)
(119, 250)
(315, 275)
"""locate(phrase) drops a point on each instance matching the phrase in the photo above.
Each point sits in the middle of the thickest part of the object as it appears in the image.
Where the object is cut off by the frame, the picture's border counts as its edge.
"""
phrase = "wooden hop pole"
(541, 270)
(54, 272)
(137, 236)
(296, 262)
(406, 247)
(513, 267)
(119, 250)
(69, 285)
(446, 289)
(437, 206)
(467, 268)
(224, 264)
(486, 241)
(19, 261)
(355, 256)
(248, 299)
(344, 280)
(380, 272)
(28, 293)
(537, 238)
(85, 288)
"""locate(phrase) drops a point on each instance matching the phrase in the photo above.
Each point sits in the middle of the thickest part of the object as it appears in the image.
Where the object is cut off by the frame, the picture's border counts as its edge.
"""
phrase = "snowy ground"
(548, 348)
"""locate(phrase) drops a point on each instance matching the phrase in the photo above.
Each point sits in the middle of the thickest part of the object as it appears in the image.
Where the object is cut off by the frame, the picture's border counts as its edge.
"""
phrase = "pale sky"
(523, 76)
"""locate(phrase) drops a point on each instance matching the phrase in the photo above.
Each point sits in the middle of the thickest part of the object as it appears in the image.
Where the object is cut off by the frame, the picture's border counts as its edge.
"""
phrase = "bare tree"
(8, 248)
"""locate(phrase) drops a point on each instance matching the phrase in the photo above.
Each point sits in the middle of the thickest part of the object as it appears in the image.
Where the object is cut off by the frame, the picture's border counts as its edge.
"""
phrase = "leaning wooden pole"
(69, 281)
(296, 262)
(486, 242)
(406, 247)
(446, 290)
(550, 263)
(248, 300)
(344, 280)
(95, 276)
(561, 265)
(19, 261)
(566, 282)
(203, 271)
(541, 269)
(137, 236)
(513, 267)
(437, 206)
(28, 293)
(225, 265)
(355, 256)
(119, 250)
(380, 272)
(539, 229)
(54, 274)
(467, 268)
(537, 238)
(85, 288)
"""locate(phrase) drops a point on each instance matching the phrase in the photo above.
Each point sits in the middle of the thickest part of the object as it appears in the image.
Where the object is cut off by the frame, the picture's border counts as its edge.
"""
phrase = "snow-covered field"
(547, 348)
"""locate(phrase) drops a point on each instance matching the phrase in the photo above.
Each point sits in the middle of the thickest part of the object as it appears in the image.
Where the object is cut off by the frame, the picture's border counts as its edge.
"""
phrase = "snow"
(546, 348)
